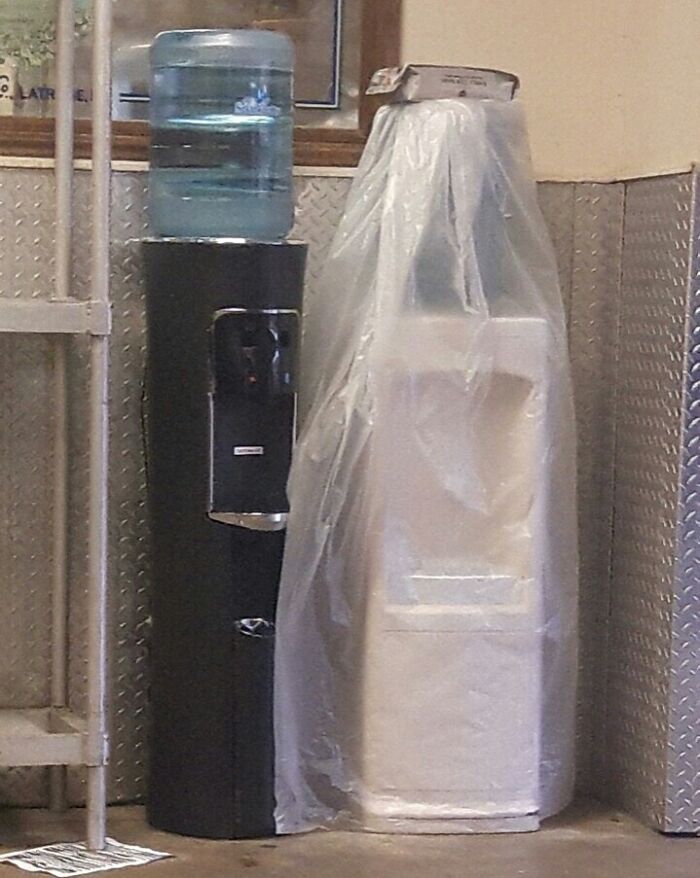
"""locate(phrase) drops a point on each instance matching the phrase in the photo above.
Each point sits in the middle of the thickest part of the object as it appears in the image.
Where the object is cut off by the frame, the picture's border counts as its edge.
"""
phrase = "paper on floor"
(73, 858)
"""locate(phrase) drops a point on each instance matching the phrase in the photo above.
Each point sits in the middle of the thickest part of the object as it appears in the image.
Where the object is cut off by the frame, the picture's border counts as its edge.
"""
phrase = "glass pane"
(326, 34)
(27, 49)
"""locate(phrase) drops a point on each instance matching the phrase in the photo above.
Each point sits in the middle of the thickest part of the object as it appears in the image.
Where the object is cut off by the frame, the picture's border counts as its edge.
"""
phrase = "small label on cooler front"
(248, 451)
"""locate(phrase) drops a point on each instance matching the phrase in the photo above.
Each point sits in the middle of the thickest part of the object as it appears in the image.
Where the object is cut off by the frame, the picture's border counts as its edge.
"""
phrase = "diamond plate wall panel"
(683, 768)
(128, 557)
(27, 226)
(597, 264)
(78, 378)
(320, 204)
(26, 509)
(585, 222)
(649, 410)
(26, 422)
(557, 202)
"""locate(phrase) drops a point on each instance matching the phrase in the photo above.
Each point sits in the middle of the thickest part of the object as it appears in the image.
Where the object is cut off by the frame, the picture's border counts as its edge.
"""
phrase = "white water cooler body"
(449, 737)
(427, 660)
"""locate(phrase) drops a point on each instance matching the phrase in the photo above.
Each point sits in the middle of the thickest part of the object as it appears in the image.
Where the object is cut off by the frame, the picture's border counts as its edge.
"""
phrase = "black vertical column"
(214, 584)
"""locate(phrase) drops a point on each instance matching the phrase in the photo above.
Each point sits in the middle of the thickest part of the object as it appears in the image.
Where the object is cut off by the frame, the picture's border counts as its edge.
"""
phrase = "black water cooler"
(223, 341)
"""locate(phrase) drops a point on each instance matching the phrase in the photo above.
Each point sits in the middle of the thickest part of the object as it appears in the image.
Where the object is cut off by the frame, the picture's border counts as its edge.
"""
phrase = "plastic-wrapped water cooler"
(426, 659)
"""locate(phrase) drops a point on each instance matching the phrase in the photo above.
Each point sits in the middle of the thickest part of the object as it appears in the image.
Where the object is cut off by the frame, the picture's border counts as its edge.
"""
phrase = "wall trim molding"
(35, 163)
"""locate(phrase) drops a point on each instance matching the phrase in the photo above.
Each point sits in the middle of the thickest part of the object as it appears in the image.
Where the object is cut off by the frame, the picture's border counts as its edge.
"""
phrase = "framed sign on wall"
(339, 44)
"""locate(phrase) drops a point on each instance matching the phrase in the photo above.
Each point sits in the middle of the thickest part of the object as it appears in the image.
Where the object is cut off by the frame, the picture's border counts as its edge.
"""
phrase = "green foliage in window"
(28, 30)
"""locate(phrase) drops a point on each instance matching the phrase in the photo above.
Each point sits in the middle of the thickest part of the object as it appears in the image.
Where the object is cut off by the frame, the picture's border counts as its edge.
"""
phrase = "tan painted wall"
(608, 84)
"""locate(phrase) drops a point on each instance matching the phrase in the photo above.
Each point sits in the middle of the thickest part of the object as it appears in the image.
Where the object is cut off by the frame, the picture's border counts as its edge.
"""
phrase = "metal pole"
(65, 39)
(65, 84)
(99, 363)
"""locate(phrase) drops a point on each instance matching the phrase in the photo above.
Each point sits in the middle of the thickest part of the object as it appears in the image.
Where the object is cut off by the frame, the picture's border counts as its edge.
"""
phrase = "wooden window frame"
(381, 37)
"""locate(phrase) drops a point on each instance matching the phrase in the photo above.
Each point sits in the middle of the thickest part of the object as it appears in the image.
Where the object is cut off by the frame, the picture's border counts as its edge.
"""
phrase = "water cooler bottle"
(223, 339)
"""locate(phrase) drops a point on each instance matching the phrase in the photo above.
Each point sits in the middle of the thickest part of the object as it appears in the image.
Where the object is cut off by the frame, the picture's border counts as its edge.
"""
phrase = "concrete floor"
(587, 842)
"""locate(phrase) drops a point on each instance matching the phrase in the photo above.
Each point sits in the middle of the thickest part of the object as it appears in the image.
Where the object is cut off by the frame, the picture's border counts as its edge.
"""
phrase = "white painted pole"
(65, 57)
(99, 363)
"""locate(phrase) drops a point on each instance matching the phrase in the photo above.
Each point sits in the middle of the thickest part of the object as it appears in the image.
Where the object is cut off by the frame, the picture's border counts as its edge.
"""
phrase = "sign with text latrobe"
(27, 52)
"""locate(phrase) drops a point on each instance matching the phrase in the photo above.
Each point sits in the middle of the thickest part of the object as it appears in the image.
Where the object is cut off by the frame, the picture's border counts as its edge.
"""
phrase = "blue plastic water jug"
(222, 131)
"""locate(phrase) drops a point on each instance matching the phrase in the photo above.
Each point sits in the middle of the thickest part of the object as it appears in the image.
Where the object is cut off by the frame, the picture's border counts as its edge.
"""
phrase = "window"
(339, 44)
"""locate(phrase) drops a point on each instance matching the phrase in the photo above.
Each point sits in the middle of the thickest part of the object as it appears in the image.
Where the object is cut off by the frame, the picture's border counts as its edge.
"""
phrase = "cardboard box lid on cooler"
(424, 82)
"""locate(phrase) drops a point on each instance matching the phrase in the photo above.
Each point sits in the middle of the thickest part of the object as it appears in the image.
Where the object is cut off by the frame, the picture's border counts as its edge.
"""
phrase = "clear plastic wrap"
(427, 624)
